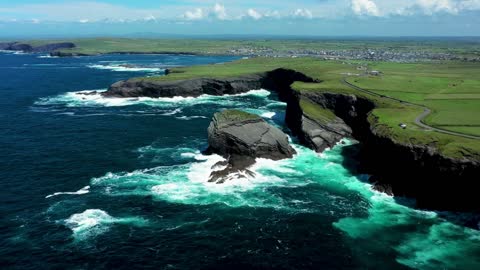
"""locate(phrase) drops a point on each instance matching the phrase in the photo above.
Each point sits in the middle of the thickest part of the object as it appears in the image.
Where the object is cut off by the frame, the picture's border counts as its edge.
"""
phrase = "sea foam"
(93, 222)
(81, 191)
(121, 68)
(90, 98)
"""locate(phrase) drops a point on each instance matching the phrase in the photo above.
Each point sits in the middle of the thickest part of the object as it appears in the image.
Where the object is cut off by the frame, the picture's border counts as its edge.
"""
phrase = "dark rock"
(184, 88)
(380, 185)
(237, 133)
(241, 137)
(279, 79)
(20, 47)
(52, 47)
(6, 46)
(15, 46)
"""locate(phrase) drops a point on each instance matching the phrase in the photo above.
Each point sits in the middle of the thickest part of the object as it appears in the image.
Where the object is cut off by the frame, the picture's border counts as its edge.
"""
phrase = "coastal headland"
(403, 158)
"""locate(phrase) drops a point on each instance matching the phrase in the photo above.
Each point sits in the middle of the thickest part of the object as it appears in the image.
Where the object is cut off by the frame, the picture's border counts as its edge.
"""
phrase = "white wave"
(123, 68)
(191, 117)
(95, 98)
(93, 222)
(269, 115)
(178, 110)
(81, 191)
(47, 56)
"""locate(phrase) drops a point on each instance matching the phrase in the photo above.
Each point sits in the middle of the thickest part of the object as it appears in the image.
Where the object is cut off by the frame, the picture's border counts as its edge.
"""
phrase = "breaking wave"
(81, 191)
(126, 68)
(94, 98)
(93, 222)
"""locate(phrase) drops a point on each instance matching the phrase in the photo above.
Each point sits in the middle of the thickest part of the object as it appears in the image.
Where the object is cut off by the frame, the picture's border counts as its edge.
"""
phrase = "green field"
(450, 90)
(461, 48)
(439, 86)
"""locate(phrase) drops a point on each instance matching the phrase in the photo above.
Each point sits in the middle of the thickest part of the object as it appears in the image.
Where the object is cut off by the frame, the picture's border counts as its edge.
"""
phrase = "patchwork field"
(450, 90)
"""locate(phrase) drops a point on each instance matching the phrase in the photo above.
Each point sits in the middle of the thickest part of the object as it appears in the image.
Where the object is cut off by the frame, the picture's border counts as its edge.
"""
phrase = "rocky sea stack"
(241, 137)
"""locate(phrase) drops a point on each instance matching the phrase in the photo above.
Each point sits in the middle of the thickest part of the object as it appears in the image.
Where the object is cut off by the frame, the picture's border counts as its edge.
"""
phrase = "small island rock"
(241, 137)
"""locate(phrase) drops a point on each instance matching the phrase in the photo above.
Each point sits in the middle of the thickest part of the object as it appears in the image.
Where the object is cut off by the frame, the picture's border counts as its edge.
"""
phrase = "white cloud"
(254, 14)
(470, 5)
(365, 7)
(272, 14)
(303, 13)
(150, 18)
(196, 14)
(433, 6)
(194, 10)
(219, 12)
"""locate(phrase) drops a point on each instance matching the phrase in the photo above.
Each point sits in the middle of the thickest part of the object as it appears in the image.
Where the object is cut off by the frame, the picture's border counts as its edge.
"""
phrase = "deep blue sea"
(94, 183)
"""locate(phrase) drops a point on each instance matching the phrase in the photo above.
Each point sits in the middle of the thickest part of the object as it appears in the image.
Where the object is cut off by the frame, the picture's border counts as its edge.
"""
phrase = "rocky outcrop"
(15, 46)
(184, 88)
(315, 134)
(4, 46)
(279, 79)
(53, 47)
(241, 137)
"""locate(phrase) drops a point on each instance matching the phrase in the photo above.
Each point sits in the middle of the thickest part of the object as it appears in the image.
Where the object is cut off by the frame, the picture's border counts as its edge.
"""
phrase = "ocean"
(93, 183)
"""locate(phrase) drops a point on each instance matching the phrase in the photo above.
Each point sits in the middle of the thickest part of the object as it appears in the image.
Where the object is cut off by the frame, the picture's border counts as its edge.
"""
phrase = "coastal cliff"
(402, 169)
(279, 79)
(46, 48)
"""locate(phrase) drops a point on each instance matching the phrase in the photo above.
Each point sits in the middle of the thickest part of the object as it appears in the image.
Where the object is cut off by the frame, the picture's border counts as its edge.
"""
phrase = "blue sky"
(213, 17)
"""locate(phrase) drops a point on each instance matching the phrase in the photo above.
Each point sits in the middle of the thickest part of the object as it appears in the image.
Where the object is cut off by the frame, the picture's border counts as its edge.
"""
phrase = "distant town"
(390, 55)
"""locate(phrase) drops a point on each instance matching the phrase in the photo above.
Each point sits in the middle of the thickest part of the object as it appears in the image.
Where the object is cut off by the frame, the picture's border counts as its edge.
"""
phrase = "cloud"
(365, 7)
(150, 18)
(196, 14)
(434, 6)
(252, 13)
(83, 20)
(196, 10)
(303, 13)
(219, 12)
(272, 14)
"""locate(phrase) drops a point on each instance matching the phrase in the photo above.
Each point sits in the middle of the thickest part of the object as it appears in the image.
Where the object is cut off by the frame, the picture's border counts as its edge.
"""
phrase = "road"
(419, 119)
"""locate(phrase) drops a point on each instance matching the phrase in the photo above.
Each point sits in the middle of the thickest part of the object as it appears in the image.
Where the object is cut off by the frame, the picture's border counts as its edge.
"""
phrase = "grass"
(316, 112)
(462, 47)
(228, 116)
(451, 90)
(411, 82)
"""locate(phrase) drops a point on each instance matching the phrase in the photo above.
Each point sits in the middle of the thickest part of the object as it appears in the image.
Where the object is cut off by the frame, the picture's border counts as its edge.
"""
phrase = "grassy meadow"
(91, 46)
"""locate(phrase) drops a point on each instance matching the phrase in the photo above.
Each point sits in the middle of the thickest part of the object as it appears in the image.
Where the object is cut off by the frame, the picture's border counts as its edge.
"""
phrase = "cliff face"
(279, 79)
(184, 88)
(413, 170)
(15, 46)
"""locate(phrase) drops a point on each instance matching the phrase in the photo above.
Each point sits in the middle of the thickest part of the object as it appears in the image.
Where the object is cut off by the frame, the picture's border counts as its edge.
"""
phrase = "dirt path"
(419, 119)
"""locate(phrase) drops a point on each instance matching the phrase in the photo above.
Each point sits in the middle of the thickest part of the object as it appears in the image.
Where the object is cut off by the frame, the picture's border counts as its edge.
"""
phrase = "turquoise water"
(89, 182)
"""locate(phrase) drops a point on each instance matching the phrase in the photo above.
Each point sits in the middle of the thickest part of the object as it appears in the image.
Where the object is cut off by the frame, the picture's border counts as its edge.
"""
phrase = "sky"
(25, 18)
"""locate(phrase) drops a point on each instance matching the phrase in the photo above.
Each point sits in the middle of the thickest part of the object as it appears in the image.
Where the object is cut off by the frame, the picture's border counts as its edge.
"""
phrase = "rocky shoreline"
(73, 54)
(413, 170)
(27, 48)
